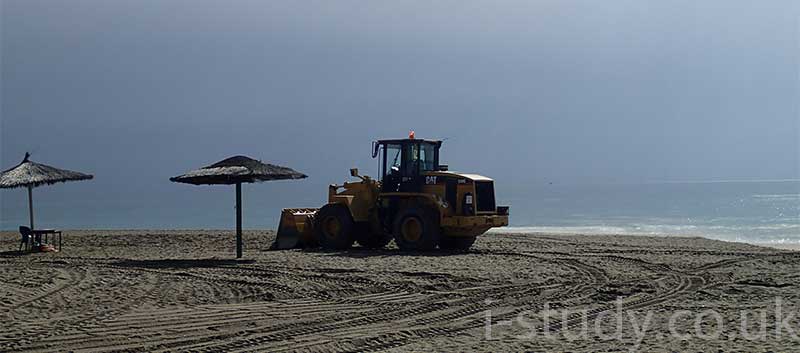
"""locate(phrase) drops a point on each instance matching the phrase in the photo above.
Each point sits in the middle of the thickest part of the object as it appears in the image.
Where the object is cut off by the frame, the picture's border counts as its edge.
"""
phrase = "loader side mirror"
(354, 172)
(375, 148)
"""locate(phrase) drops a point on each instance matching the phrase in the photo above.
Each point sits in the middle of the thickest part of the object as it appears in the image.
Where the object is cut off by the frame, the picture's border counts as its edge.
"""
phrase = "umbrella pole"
(238, 220)
(30, 204)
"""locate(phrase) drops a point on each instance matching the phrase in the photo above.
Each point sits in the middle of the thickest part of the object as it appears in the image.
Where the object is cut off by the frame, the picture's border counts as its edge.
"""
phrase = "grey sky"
(526, 91)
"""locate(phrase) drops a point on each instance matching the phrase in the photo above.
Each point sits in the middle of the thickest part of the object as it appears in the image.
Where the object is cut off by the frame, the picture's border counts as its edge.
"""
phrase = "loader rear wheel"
(415, 229)
(456, 243)
(333, 227)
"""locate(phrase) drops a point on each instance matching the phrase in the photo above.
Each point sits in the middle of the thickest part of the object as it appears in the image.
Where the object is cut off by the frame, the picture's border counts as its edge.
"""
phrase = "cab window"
(411, 159)
(393, 159)
(427, 157)
(418, 158)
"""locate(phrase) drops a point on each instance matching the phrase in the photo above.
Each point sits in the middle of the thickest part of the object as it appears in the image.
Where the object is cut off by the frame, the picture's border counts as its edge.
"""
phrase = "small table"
(37, 235)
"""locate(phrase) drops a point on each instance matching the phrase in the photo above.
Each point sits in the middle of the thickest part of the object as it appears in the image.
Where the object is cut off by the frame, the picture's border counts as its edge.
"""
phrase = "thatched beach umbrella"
(237, 170)
(30, 175)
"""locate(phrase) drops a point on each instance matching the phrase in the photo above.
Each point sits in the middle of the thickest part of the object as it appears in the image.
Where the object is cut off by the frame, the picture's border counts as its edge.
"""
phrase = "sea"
(763, 211)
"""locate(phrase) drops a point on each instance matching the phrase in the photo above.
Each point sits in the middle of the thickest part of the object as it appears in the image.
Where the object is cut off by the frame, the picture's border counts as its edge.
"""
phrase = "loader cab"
(403, 163)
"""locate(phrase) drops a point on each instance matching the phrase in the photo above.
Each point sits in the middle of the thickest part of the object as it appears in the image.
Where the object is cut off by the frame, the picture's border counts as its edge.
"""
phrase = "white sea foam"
(784, 233)
(777, 197)
(725, 181)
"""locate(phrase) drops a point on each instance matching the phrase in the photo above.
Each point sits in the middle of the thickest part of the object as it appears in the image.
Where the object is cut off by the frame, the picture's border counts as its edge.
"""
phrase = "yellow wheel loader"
(417, 202)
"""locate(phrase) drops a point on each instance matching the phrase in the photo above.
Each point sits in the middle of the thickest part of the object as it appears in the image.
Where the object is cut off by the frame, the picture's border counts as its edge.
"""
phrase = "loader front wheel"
(415, 229)
(333, 227)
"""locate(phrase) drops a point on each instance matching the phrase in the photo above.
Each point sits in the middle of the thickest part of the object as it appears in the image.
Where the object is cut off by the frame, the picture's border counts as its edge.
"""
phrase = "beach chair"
(25, 234)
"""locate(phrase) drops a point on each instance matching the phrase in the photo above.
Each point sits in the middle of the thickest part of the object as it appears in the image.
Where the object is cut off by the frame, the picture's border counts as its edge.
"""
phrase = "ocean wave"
(772, 233)
(725, 181)
(777, 197)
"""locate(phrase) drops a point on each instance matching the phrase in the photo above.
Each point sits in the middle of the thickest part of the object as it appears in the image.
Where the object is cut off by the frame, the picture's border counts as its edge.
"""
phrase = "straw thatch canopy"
(32, 174)
(237, 170)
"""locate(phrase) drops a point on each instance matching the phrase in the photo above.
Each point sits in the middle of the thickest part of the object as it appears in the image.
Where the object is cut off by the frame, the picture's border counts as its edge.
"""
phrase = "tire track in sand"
(423, 316)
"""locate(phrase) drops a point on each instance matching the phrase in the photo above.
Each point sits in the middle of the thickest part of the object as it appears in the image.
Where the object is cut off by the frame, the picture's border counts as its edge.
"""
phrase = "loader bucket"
(295, 229)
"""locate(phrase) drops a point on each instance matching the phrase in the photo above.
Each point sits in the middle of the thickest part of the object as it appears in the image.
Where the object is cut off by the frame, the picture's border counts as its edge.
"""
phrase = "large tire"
(456, 243)
(416, 229)
(333, 227)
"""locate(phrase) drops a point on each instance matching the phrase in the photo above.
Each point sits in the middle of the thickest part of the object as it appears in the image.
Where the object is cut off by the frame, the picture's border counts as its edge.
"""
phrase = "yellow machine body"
(460, 205)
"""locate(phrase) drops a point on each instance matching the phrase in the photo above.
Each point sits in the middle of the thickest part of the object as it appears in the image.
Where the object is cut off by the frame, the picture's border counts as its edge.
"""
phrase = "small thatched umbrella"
(237, 170)
(30, 174)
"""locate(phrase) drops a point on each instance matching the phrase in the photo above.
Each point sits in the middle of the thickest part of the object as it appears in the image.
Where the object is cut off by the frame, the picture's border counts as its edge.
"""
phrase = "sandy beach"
(183, 291)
